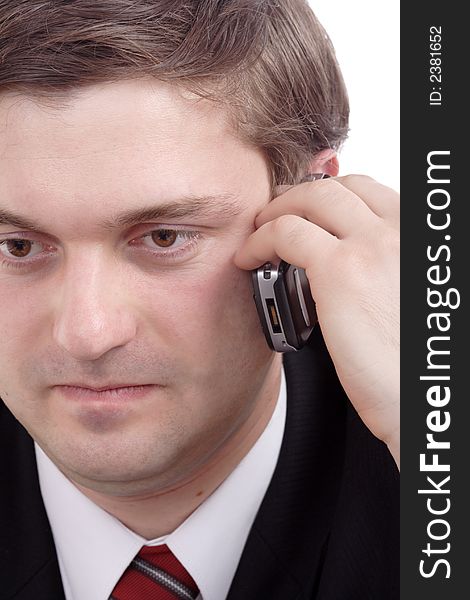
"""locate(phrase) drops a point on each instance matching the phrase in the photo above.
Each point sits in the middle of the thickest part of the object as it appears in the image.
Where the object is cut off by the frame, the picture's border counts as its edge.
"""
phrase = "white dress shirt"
(94, 548)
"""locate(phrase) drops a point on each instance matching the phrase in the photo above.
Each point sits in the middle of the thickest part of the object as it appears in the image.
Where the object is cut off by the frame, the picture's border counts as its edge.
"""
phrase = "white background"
(366, 36)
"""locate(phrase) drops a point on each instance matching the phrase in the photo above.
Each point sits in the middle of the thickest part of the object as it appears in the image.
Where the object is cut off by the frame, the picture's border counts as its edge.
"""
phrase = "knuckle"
(371, 256)
(390, 240)
(289, 228)
(356, 178)
(357, 261)
(285, 224)
(325, 191)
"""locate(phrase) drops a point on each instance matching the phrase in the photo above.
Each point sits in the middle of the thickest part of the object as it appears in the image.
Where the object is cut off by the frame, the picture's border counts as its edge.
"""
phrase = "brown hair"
(270, 61)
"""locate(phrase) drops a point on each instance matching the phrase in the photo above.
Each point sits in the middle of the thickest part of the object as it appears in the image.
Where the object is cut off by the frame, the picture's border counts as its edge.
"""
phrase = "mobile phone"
(285, 305)
(284, 302)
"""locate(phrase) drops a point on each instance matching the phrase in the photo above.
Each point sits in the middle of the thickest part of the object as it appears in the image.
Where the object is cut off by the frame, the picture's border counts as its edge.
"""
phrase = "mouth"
(109, 393)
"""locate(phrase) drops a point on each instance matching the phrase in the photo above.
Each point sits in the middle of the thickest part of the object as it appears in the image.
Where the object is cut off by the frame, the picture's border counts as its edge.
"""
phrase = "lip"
(110, 393)
(96, 388)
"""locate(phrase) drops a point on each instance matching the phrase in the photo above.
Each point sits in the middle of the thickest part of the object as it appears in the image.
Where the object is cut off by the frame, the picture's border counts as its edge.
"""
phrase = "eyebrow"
(225, 205)
(9, 218)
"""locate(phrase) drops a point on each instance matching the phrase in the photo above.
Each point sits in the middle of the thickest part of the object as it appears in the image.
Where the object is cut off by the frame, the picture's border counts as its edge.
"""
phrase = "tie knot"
(155, 574)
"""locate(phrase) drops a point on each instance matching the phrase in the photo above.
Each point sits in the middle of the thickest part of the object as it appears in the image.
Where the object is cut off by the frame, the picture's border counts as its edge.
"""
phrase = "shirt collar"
(90, 540)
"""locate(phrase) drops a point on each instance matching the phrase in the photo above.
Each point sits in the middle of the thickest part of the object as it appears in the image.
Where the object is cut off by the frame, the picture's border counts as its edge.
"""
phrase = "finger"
(289, 238)
(382, 200)
(280, 189)
(326, 203)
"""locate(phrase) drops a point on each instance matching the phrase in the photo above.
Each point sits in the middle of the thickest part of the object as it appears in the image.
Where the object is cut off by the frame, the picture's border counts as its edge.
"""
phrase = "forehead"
(120, 142)
(106, 118)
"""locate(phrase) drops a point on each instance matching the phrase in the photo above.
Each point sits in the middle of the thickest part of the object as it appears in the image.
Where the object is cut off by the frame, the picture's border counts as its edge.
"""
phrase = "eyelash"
(169, 255)
(191, 236)
(17, 264)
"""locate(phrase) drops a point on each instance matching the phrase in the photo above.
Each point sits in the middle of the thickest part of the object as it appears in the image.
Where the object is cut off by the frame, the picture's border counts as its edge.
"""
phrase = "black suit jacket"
(327, 528)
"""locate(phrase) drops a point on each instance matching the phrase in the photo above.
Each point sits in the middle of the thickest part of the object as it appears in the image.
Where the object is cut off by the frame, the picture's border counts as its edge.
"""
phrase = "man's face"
(90, 299)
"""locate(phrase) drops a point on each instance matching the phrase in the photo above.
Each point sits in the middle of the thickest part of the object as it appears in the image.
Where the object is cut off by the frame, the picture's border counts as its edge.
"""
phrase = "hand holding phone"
(345, 233)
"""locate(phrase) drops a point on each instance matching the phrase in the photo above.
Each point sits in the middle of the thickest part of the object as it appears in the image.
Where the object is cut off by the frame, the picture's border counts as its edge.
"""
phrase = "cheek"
(220, 303)
(20, 318)
(217, 339)
(209, 313)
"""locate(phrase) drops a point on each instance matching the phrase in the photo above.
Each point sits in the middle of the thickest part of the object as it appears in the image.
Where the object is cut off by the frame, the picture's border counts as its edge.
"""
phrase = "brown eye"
(19, 248)
(164, 237)
(169, 244)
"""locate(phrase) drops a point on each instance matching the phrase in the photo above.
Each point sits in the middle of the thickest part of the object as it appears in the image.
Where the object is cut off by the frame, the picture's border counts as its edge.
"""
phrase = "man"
(151, 154)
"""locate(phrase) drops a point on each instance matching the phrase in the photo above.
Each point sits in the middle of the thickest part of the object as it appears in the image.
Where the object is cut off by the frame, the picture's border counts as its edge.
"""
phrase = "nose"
(93, 310)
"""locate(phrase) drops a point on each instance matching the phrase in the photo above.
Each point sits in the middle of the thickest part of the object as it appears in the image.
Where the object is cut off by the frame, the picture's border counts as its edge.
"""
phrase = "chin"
(120, 460)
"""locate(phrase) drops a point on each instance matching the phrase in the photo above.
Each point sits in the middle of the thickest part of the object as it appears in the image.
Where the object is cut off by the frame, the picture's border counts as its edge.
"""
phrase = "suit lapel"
(284, 553)
(28, 560)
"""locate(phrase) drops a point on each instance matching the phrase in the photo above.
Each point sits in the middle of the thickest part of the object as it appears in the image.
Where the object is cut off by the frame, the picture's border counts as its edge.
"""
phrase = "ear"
(325, 161)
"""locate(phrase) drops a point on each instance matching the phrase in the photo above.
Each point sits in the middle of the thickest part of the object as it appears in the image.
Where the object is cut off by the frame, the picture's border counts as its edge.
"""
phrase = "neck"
(157, 514)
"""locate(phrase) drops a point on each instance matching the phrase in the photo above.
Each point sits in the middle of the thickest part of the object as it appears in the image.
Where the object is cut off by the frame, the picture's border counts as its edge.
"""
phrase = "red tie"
(155, 574)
